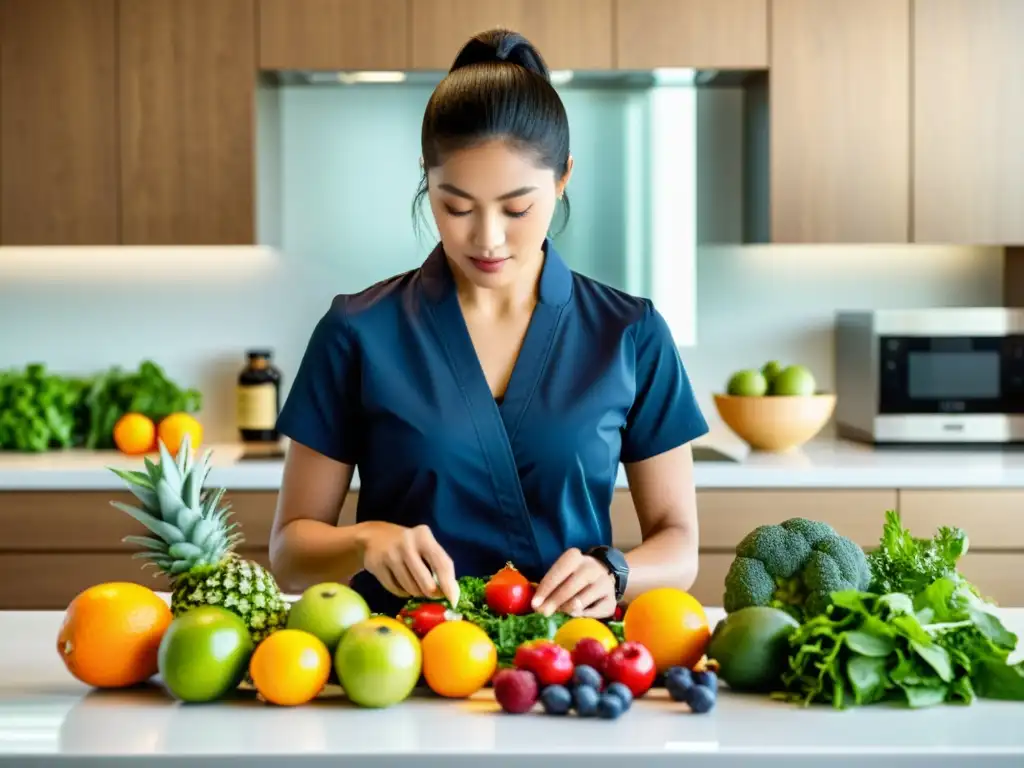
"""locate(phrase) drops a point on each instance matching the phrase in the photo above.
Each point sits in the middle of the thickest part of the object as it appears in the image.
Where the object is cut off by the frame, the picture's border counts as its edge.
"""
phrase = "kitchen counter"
(46, 715)
(722, 462)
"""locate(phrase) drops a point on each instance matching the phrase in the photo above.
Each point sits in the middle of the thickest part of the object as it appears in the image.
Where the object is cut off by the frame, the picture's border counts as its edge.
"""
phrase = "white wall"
(195, 311)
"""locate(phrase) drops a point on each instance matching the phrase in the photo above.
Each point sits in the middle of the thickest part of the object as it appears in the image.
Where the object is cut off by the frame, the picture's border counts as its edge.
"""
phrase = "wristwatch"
(615, 561)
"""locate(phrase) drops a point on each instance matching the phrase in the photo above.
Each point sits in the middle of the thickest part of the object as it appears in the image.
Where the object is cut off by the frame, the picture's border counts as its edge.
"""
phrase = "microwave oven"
(930, 376)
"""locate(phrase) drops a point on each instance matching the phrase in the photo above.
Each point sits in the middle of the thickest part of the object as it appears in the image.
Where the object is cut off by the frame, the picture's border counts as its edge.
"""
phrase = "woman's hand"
(576, 584)
(404, 560)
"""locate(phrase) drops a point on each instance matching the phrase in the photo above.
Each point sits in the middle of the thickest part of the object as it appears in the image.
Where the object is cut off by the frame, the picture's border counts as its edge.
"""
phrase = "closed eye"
(514, 214)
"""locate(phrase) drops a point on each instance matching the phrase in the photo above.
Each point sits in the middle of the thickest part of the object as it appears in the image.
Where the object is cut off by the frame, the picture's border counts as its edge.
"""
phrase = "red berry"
(590, 652)
(515, 690)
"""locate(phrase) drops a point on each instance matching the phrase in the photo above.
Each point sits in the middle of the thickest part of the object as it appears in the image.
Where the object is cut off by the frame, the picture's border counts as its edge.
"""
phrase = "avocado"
(751, 647)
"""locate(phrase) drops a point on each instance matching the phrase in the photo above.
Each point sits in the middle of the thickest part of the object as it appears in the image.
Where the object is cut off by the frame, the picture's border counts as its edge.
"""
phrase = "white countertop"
(824, 463)
(45, 714)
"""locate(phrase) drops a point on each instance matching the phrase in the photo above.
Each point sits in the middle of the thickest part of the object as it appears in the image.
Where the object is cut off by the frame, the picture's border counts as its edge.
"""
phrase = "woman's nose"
(489, 232)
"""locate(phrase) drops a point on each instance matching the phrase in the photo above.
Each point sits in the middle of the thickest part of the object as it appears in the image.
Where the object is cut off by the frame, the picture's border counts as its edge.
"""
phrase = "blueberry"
(678, 686)
(556, 699)
(610, 706)
(701, 699)
(585, 700)
(682, 674)
(707, 679)
(587, 675)
(622, 691)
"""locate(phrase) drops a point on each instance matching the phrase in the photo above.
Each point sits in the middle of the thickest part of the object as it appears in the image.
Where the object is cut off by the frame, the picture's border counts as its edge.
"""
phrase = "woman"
(489, 395)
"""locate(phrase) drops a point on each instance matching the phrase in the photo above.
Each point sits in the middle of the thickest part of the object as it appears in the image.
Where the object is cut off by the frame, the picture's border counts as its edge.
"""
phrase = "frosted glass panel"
(346, 159)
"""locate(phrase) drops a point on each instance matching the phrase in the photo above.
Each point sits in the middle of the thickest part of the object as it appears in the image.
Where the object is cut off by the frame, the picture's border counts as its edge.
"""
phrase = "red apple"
(550, 662)
(631, 664)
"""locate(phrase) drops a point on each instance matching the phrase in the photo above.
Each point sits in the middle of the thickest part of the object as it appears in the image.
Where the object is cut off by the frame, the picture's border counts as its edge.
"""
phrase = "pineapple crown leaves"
(191, 526)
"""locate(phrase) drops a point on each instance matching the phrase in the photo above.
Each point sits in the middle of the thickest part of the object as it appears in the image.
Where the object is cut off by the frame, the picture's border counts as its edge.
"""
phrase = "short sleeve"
(665, 412)
(323, 406)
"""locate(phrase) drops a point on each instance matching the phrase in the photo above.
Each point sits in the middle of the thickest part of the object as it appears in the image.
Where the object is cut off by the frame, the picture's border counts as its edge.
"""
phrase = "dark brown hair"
(499, 87)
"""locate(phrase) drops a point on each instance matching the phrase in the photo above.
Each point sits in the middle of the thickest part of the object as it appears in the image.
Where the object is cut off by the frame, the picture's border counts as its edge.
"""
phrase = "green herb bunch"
(41, 410)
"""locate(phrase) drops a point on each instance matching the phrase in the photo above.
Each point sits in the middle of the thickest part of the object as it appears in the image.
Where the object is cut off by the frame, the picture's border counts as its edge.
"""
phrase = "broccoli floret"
(795, 566)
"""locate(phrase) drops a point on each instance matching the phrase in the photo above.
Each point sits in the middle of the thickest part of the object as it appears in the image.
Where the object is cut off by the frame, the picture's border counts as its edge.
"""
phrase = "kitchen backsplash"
(195, 310)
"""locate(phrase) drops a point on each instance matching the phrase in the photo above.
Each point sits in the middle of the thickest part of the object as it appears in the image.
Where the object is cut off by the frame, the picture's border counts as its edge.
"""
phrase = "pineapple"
(194, 545)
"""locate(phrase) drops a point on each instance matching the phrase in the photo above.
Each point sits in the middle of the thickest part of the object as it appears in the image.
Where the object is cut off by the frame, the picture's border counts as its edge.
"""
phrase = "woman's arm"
(306, 544)
(663, 493)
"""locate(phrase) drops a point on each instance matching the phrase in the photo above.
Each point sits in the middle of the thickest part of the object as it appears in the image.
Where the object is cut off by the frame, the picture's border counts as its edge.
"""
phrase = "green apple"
(378, 662)
(770, 370)
(794, 381)
(327, 610)
(204, 654)
(747, 383)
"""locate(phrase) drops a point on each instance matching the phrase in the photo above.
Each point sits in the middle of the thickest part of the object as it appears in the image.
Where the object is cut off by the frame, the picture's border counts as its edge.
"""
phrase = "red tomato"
(509, 592)
(424, 617)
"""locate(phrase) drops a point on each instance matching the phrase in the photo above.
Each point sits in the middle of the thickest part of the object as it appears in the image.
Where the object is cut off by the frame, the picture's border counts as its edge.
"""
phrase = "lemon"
(578, 628)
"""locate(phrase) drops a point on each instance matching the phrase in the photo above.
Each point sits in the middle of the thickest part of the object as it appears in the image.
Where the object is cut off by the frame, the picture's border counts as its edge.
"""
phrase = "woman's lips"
(488, 265)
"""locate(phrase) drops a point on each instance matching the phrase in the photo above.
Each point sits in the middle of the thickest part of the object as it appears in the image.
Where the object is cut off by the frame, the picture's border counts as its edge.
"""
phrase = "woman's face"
(493, 206)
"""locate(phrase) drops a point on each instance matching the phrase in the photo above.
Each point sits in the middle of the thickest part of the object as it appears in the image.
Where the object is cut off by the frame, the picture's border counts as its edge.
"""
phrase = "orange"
(290, 667)
(458, 659)
(134, 434)
(671, 624)
(576, 629)
(111, 634)
(173, 428)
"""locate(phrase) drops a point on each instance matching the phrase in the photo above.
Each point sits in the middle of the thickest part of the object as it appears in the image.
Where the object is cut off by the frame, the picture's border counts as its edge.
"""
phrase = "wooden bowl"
(775, 423)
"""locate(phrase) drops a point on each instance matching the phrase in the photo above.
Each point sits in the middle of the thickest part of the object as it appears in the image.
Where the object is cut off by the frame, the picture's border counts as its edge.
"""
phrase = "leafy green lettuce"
(941, 644)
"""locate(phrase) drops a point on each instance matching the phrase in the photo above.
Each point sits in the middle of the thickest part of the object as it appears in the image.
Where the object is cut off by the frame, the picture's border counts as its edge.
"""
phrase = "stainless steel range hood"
(563, 79)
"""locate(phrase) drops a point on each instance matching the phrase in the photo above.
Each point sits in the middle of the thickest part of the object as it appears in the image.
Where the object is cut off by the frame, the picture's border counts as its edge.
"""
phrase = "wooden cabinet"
(58, 543)
(187, 93)
(968, 108)
(334, 34)
(705, 34)
(840, 121)
(570, 34)
(58, 122)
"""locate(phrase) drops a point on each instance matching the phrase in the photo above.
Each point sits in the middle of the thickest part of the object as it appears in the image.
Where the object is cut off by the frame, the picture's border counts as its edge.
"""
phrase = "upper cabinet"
(127, 122)
(187, 92)
(58, 122)
(869, 121)
(704, 34)
(969, 121)
(334, 34)
(570, 34)
(840, 121)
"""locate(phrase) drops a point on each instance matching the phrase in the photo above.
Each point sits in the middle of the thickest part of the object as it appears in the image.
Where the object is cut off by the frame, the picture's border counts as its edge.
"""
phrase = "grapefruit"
(111, 634)
(671, 624)
(458, 659)
(290, 667)
(577, 628)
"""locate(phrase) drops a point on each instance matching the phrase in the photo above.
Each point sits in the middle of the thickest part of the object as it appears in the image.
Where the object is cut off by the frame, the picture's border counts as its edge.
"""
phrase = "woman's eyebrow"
(507, 196)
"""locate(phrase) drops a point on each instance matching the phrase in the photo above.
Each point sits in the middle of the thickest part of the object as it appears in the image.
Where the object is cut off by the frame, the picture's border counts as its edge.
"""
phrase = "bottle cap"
(259, 353)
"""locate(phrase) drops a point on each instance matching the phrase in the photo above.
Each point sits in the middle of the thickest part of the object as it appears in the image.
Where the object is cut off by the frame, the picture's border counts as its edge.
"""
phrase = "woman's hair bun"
(500, 45)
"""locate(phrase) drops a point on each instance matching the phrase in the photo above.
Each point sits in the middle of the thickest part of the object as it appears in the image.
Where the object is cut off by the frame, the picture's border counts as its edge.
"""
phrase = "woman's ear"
(564, 181)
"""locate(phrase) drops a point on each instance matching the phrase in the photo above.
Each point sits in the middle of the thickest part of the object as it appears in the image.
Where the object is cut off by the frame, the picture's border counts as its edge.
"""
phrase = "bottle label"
(257, 406)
